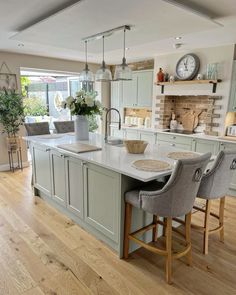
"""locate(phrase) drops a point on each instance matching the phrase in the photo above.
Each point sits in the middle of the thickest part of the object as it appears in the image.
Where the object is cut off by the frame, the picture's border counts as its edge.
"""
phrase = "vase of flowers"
(83, 105)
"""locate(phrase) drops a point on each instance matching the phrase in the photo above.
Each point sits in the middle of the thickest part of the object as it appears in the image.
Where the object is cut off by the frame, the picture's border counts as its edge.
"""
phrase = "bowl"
(135, 146)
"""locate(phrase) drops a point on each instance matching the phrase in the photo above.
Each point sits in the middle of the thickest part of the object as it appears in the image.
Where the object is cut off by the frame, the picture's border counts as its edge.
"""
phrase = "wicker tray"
(182, 155)
(151, 165)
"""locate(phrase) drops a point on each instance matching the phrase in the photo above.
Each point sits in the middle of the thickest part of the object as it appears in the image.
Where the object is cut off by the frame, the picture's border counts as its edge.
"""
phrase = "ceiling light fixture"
(86, 75)
(123, 72)
(103, 74)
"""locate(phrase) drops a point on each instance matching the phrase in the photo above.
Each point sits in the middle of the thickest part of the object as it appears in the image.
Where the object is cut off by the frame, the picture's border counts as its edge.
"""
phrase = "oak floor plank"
(71, 261)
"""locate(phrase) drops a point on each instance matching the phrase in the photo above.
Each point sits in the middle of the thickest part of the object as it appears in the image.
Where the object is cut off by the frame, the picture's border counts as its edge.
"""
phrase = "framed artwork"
(8, 80)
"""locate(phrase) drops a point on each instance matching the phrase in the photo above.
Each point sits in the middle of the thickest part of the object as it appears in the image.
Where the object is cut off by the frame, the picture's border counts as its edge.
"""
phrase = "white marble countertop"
(111, 157)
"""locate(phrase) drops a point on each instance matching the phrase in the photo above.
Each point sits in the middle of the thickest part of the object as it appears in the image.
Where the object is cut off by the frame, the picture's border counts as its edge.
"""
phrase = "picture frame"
(8, 81)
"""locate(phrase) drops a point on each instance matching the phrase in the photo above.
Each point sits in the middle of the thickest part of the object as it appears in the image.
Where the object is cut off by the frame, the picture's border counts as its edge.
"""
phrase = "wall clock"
(187, 67)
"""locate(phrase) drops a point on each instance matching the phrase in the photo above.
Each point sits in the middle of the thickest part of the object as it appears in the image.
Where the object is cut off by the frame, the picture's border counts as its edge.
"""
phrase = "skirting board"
(6, 167)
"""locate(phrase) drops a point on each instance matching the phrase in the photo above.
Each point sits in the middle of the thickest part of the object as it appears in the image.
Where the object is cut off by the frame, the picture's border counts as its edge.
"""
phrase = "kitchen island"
(89, 187)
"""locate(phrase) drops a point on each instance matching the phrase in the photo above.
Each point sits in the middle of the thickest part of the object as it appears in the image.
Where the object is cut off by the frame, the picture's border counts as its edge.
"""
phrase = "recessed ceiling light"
(21, 45)
(178, 38)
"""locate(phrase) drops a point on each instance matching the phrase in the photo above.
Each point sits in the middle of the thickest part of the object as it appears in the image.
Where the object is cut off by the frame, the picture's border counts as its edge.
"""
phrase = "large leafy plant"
(11, 112)
(84, 104)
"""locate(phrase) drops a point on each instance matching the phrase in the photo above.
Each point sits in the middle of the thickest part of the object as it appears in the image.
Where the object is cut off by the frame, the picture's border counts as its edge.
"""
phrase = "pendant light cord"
(124, 43)
(86, 55)
(103, 49)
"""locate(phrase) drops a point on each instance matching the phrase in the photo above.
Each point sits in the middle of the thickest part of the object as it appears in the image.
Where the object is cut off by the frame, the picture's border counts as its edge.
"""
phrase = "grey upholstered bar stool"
(175, 199)
(38, 128)
(214, 185)
(64, 126)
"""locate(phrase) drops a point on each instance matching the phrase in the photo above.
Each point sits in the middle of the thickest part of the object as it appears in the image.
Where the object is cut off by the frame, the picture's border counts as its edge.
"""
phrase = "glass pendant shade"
(123, 72)
(86, 75)
(103, 74)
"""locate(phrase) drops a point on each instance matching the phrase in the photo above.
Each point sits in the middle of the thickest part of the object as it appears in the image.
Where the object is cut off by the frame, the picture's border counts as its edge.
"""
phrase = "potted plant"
(11, 116)
(83, 106)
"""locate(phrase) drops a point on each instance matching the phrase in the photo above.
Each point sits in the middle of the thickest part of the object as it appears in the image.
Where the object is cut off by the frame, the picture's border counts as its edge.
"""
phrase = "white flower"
(72, 107)
(80, 93)
(98, 103)
(79, 99)
(69, 100)
(89, 101)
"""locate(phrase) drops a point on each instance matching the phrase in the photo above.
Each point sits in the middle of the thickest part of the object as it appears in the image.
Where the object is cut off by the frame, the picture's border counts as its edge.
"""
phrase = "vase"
(13, 143)
(81, 128)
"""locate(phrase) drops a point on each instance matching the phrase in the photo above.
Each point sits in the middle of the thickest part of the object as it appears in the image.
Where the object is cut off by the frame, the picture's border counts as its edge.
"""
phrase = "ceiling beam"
(48, 14)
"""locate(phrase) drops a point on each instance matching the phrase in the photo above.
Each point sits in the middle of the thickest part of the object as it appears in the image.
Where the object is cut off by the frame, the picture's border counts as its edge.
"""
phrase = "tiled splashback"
(165, 105)
(140, 113)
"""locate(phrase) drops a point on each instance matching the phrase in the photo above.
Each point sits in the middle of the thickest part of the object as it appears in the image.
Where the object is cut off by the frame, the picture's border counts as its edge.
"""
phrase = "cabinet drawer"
(148, 136)
(174, 138)
(181, 146)
(132, 134)
(205, 146)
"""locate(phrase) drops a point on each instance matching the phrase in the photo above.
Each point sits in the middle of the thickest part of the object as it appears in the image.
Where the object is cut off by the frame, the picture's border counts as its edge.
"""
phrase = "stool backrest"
(215, 182)
(38, 128)
(64, 126)
(177, 197)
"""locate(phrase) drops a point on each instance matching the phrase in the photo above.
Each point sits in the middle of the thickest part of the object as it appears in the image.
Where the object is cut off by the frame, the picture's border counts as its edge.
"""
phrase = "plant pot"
(81, 128)
(13, 143)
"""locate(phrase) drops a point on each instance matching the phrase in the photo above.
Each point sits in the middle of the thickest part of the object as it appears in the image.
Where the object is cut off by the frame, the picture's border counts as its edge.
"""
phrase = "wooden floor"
(43, 252)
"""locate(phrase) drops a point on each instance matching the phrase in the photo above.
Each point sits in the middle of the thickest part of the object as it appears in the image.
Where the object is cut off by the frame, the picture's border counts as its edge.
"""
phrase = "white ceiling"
(54, 28)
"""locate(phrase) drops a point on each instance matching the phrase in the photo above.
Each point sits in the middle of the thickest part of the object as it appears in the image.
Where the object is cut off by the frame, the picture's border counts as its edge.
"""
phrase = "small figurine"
(172, 79)
(160, 76)
(173, 122)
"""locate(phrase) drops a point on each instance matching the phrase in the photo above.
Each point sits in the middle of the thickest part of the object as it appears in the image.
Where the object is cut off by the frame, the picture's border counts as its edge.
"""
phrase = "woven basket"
(135, 146)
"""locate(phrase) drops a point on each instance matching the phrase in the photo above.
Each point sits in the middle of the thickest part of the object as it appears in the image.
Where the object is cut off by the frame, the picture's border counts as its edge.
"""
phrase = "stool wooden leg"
(188, 236)
(128, 216)
(169, 249)
(206, 226)
(164, 227)
(155, 228)
(221, 218)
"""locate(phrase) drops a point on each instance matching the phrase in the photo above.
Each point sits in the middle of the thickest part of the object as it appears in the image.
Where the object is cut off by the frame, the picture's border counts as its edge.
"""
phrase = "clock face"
(187, 67)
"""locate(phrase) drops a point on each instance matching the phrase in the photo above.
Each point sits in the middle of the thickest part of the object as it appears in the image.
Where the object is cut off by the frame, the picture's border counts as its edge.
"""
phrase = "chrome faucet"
(106, 122)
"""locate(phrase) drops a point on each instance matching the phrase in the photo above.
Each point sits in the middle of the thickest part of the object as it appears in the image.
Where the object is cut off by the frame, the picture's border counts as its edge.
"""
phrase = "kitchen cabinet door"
(180, 146)
(132, 134)
(205, 146)
(74, 186)
(232, 98)
(116, 99)
(148, 136)
(41, 168)
(145, 89)
(101, 197)
(58, 177)
(130, 91)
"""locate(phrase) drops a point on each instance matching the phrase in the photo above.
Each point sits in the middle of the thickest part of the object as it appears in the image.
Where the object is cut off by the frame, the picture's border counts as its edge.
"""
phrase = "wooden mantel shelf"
(213, 82)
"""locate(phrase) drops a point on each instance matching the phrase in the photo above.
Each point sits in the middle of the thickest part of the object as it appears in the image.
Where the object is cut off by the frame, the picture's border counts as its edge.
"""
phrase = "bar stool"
(64, 126)
(214, 185)
(174, 199)
(38, 128)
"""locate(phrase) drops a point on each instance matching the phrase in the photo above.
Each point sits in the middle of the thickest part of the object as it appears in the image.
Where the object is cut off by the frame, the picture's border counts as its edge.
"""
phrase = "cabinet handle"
(172, 144)
(83, 164)
(173, 137)
(47, 150)
(63, 156)
(234, 108)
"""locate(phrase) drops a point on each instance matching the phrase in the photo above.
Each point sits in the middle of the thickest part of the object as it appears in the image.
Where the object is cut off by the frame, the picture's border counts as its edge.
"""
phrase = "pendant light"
(103, 74)
(86, 75)
(123, 72)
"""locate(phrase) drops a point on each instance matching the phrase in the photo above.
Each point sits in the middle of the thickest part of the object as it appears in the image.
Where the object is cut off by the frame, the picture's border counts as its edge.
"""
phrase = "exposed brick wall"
(165, 105)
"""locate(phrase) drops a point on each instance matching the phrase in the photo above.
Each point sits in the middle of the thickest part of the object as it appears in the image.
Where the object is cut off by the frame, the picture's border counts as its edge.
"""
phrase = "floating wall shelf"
(213, 82)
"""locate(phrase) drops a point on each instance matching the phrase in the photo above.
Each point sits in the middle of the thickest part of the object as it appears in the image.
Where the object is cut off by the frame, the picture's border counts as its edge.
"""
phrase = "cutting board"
(79, 147)
(188, 121)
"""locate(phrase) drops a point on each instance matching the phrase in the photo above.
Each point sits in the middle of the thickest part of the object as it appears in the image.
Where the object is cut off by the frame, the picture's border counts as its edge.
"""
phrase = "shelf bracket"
(162, 89)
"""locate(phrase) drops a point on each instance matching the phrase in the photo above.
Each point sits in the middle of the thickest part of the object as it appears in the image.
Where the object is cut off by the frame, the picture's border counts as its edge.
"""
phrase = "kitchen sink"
(116, 142)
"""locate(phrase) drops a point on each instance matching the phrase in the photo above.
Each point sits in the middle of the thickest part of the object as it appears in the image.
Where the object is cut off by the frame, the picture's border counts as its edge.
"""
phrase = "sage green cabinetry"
(205, 146)
(101, 199)
(132, 134)
(181, 142)
(232, 98)
(74, 186)
(41, 168)
(58, 181)
(150, 137)
(139, 91)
